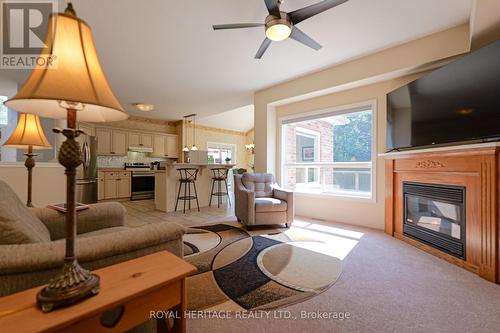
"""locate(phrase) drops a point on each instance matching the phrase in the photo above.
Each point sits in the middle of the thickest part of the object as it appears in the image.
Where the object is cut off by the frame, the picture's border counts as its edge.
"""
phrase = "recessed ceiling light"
(465, 111)
(144, 107)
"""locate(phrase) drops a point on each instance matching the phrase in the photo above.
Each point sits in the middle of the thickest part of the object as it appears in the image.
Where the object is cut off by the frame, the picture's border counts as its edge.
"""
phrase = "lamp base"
(74, 285)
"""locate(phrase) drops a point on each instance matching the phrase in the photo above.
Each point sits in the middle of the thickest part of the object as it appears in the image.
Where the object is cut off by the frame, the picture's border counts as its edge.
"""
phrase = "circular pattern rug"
(238, 270)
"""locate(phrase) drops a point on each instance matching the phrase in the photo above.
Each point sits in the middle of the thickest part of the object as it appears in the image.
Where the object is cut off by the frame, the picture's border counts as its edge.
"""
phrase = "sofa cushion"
(268, 205)
(17, 224)
(260, 183)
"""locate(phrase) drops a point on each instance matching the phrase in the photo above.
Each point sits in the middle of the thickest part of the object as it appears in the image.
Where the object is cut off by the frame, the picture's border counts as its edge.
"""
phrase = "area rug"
(239, 271)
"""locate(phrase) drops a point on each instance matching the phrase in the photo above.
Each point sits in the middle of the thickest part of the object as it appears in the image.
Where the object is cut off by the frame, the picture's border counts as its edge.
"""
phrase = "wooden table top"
(119, 283)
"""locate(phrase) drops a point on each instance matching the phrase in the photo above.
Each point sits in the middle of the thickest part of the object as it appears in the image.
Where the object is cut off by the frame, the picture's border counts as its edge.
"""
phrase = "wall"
(250, 157)
(49, 182)
(394, 62)
(208, 134)
(364, 79)
(146, 124)
(351, 211)
(119, 161)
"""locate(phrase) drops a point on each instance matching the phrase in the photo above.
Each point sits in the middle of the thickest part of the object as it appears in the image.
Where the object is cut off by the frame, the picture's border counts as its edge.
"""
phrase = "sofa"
(32, 241)
(260, 201)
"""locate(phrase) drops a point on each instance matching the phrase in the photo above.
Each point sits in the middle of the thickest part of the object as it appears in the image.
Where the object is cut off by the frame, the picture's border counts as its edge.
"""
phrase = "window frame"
(334, 111)
(219, 145)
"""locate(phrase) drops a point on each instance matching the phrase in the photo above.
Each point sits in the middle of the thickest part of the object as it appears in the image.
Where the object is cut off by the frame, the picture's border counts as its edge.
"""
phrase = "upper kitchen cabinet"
(172, 146)
(140, 140)
(159, 145)
(119, 143)
(111, 142)
(103, 136)
(165, 146)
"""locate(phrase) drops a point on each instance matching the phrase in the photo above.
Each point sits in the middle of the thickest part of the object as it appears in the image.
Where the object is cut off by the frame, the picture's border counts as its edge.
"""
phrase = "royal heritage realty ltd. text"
(277, 314)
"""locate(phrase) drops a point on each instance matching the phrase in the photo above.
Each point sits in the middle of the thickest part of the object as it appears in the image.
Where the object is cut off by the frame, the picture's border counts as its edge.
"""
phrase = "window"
(218, 152)
(4, 112)
(329, 153)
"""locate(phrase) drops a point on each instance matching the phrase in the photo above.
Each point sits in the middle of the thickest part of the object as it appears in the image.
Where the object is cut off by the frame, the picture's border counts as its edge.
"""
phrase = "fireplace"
(435, 215)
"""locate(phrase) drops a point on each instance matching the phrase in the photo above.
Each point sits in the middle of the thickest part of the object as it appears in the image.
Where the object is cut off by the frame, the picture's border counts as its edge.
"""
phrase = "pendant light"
(194, 148)
(185, 134)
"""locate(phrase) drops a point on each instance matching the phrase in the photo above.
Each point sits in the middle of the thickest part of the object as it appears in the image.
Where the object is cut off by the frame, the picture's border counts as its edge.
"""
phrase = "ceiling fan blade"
(237, 26)
(301, 37)
(273, 7)
(302, 14)
(263, 47)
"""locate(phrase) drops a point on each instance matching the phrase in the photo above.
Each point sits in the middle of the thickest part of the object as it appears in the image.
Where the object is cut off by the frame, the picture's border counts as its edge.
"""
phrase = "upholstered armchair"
(32, 245)
(259, 200)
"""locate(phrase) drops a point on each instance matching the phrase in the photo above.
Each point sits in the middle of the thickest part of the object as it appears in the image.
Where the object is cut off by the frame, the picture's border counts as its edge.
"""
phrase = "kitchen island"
(167, 185)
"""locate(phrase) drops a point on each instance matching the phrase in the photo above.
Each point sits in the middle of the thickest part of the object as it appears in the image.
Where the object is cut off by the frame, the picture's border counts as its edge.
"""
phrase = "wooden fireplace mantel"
(475, 167)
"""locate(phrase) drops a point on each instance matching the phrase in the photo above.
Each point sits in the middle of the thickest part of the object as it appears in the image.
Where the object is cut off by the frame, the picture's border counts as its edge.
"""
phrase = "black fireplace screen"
(435, 215)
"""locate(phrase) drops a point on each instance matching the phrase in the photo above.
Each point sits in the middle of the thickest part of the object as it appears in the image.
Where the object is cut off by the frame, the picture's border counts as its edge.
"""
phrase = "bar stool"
(219, 176)
(187, 177)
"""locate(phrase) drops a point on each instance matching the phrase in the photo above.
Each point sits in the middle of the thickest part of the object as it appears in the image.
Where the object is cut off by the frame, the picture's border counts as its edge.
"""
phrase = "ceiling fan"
(281, 25)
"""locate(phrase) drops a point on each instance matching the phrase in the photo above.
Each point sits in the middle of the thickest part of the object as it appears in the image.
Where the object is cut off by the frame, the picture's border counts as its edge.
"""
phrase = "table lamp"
(28, 134)
(74, 86)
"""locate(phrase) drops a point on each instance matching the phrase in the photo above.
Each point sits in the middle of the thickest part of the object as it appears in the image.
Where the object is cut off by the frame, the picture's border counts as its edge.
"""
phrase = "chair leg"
(211, 192)
(218, 194)
(196, 196)
(227, 193)
(189, 195)
(178, 195)
(185, 190)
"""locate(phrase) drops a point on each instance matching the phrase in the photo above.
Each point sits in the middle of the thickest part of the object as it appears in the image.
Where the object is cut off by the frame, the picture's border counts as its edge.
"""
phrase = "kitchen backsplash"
(119, 161)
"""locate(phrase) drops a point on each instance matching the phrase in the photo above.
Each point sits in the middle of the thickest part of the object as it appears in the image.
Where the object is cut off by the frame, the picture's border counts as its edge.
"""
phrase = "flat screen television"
(457, 103)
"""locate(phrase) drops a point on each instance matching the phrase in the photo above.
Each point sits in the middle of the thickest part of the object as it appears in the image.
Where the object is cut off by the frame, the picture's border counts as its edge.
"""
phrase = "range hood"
(140, 149)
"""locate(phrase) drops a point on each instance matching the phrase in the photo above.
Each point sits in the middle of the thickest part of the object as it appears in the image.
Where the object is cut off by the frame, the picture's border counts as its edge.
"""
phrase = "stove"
(143, 180)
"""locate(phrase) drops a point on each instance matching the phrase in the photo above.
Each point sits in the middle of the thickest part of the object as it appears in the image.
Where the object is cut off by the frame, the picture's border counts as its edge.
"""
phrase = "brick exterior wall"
(325, 131)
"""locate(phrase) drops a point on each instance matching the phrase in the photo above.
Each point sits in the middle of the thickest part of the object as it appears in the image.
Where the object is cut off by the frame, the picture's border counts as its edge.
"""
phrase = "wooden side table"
(130, 291)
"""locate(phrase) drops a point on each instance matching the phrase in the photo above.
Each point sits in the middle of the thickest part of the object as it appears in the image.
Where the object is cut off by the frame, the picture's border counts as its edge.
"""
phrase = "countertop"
(111, 169)
(202, 165)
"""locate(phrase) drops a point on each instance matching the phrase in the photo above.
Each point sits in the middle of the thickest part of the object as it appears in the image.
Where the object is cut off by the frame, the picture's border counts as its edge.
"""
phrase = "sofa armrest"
(287, 196)
(96, 217)
(245, 205)
(30, 258)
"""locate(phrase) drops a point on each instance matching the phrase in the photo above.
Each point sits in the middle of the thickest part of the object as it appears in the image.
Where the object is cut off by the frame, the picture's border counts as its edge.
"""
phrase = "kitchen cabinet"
(165, 146)
(111, 142)
(140, 140)
(159, 145)
(117, 184)
(172, 146)
(103, 136)
(123, 187)
(119, 143)
(100, 186)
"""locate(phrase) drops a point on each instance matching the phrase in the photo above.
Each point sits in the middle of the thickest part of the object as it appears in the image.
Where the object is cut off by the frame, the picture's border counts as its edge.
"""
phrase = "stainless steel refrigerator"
(86, 175)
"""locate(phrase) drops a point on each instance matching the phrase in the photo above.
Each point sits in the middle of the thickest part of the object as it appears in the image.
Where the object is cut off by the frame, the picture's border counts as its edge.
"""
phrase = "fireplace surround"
(446, 201)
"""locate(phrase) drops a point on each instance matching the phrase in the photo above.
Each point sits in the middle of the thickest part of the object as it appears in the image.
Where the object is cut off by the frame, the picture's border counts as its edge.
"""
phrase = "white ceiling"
(240, 119)
(165, 52)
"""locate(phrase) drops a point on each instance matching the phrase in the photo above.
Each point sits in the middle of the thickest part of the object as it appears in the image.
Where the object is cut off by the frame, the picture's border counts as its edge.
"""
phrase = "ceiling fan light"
(278, 32)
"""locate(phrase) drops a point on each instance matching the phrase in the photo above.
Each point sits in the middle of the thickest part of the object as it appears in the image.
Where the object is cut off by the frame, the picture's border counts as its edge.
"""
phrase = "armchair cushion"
(267, 205)
(17, 224)
(96, 217)
(260, 183)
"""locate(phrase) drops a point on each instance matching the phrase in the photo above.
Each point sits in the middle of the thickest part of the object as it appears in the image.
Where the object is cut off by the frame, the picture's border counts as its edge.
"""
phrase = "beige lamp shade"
(75, 81)
(29, 132)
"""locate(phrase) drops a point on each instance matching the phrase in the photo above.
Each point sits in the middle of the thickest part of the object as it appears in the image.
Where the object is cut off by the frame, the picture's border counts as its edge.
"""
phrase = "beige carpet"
(386, 286)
